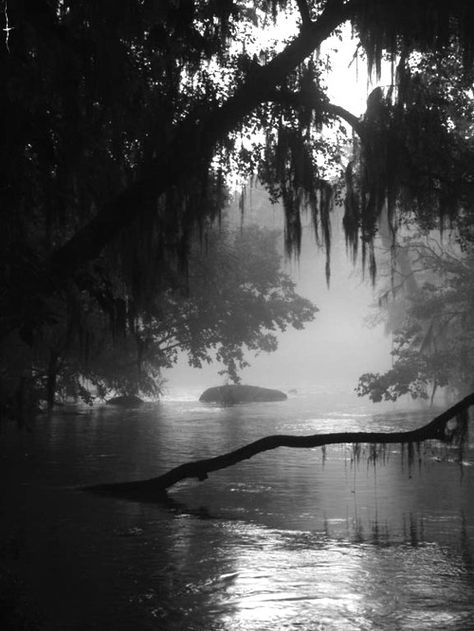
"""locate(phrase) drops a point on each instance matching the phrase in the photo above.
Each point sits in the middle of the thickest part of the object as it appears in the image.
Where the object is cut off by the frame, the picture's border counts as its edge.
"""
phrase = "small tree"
(237, 297)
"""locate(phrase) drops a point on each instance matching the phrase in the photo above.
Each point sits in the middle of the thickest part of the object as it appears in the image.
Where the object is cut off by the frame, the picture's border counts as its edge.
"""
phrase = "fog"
(336, 347)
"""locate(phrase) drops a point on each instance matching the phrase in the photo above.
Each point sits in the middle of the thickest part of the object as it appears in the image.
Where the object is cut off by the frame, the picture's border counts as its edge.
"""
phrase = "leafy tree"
(237, 296)
(121, 120)
(414, 162)
(427, 305)
(433, 330)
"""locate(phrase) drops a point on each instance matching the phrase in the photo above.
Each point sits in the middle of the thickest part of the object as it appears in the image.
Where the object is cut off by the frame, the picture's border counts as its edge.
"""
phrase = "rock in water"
(126, 401)
(228, 395)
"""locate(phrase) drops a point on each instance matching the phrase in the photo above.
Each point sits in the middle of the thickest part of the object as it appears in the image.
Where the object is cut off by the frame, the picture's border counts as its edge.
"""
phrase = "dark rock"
(126, 401)
(228, 395)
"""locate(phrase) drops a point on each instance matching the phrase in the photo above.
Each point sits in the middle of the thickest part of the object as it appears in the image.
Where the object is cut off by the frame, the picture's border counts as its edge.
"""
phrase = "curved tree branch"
(318, 102)
(155, 488)
(193, 141)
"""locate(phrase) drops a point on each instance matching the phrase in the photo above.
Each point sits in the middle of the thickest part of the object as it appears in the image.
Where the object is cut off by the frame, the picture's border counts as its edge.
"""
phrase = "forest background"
(123, 127)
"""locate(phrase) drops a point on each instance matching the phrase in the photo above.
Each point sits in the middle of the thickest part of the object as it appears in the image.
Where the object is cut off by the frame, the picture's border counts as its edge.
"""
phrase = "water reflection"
(287, 540)
(292, 579)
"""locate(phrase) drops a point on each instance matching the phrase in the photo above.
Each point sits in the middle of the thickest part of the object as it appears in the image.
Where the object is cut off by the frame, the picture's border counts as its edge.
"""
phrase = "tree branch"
(304, 13)
(299, 99)
(155, 488)
(192, 143)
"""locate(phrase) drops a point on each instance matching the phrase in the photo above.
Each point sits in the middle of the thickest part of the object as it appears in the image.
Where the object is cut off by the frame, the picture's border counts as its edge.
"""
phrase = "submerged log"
(448, 427)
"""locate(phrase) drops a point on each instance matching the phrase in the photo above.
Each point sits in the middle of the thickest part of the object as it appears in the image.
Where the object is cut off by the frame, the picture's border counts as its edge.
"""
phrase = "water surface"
(291, 539)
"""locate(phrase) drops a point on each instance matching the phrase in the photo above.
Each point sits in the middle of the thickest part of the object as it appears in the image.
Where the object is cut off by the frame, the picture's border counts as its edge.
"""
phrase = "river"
(291, 539)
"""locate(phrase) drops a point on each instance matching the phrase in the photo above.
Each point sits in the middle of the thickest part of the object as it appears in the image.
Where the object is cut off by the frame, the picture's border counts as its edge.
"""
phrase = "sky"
(348, 83)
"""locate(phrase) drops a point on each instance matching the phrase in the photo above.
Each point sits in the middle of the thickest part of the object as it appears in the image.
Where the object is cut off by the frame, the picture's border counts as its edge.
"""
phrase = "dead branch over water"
(441, 428)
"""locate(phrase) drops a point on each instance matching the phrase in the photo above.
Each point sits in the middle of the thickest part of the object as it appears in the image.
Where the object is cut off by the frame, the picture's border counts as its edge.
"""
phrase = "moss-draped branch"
(155, 488)
(319, 103)
(190, 146)
(183, 158)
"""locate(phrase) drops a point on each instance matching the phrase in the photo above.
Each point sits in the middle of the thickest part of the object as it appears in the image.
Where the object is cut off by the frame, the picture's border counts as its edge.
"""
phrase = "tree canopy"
(234, 299)
(429, 310)
(122, 122)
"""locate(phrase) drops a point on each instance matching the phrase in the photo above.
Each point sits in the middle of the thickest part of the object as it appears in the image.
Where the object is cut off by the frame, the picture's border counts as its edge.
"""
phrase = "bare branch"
(155, 488)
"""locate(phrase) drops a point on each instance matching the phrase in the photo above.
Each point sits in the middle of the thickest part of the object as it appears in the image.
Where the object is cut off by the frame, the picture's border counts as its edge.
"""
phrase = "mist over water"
(307, 539)
(335, 348)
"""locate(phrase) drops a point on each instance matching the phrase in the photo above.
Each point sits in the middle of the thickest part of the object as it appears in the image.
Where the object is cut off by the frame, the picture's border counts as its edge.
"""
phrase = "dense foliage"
(415, 162)
(235, 298)
(427, 303)
(121, 122)
(429, 308)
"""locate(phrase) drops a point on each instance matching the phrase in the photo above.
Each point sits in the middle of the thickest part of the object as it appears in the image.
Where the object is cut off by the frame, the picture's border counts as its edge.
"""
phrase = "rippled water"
(290, 539)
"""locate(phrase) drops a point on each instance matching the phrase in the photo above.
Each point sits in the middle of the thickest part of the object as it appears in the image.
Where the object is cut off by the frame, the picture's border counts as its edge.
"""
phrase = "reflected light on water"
(287, 540)
(316, 583)
(296, 580)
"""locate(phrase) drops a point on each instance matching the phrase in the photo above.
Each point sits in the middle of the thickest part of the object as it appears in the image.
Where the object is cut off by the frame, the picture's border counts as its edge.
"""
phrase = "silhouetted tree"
(433, 330)
(121, 120)
(234, 297)
(427, 305)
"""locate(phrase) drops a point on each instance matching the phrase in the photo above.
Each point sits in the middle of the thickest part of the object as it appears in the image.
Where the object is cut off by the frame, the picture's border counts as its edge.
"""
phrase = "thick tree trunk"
(439, 428)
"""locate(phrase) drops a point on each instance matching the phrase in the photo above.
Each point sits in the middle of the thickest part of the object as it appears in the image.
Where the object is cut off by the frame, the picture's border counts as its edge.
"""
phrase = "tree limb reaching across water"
(441, 428)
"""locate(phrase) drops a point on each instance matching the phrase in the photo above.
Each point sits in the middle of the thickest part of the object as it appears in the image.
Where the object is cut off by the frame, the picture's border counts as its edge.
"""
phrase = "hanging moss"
(119, 120)
(425, 25)
(413, 160)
